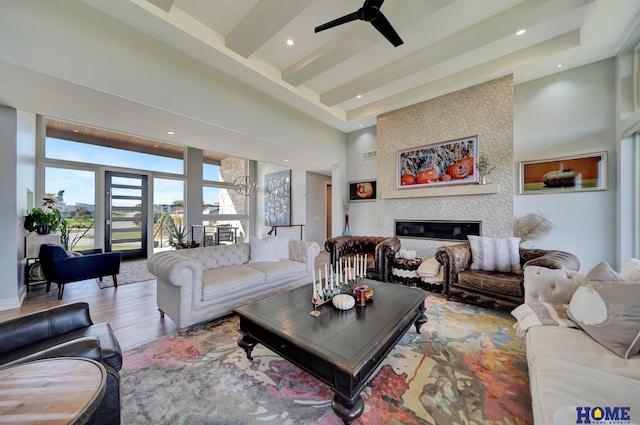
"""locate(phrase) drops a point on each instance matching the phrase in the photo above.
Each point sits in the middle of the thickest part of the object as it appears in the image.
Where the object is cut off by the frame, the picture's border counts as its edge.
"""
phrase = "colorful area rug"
(130, 272)
(466, 367)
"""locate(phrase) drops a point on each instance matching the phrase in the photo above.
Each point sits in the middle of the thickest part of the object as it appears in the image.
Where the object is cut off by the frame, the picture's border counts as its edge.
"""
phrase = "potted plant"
(484, 169)
(43, 219)
(179, 234)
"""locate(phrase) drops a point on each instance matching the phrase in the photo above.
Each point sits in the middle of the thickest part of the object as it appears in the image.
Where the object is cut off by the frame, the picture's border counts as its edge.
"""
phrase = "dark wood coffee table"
(341, 348)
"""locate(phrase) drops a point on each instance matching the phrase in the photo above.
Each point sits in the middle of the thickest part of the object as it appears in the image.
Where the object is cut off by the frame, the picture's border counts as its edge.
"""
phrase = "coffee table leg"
(247, 343)
(346, 410)
(421, 320)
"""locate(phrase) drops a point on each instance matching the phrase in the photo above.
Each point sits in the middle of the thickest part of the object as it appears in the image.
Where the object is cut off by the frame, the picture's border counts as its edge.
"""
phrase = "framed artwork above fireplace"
(440, 164)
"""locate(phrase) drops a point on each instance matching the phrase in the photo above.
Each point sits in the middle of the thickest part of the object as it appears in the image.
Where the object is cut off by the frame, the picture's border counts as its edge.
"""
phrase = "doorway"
(126, 218)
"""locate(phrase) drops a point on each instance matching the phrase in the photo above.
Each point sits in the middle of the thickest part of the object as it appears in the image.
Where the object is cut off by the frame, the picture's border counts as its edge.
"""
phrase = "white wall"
(570, 113)
(298, 196)
(362, 214)
(17, 142)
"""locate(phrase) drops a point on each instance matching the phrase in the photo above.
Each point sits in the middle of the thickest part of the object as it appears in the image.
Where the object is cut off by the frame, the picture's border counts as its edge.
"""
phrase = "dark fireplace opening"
(437, 229)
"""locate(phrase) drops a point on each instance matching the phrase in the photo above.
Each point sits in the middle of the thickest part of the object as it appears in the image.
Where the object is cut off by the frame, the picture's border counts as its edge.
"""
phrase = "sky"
(79, 185)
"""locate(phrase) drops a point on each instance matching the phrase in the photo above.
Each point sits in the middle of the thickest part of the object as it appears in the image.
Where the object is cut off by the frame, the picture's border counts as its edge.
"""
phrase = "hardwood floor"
(130, 309)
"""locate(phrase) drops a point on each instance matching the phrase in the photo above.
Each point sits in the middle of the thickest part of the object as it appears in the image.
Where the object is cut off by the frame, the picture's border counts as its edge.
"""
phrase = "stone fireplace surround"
(485, 110)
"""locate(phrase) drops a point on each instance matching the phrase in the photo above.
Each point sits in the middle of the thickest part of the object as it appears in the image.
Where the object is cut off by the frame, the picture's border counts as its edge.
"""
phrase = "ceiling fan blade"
(343, 20)
(382, 24)
(373, 3)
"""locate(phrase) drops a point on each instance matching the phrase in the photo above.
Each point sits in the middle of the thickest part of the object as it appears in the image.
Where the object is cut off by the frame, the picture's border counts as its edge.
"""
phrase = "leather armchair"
(59, 267)
(66, 331)
(502, 291)
(381, 251)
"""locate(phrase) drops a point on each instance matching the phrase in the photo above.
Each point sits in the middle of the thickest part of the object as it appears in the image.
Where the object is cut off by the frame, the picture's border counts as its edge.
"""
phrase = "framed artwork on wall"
(445, 163)
(277, 198)
(363, 190)
(577, 173)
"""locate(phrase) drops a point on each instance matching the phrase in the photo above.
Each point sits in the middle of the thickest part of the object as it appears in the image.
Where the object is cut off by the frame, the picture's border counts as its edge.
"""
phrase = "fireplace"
(437, 229)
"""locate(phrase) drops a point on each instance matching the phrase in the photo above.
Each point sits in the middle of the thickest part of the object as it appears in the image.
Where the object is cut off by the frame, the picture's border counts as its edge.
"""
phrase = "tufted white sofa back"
(213, 257)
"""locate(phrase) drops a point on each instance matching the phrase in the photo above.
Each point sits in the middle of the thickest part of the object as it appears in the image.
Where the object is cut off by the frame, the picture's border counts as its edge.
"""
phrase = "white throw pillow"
(495, 255)
(631, 270)
(264, 250)
(283, 245)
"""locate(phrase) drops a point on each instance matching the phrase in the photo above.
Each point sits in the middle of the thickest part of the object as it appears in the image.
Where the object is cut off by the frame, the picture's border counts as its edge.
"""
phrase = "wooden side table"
(57, 391)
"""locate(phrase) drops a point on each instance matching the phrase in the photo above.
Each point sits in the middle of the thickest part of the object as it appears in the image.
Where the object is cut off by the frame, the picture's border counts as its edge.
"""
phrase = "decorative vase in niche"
(346, 231)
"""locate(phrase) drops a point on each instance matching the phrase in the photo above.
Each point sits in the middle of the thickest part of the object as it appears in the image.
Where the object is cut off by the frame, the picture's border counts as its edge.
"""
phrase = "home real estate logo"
(609, 415)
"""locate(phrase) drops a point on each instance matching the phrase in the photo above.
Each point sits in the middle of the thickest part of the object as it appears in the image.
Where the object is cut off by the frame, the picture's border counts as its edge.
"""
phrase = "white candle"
(364, 269)
(326, 275)
(355, 264)
(314, 283)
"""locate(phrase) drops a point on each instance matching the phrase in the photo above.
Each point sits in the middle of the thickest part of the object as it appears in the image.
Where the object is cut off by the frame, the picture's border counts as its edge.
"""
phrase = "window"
(168, 206)
(94, 154)
(211, 172)
(222, 201)
(74, 194)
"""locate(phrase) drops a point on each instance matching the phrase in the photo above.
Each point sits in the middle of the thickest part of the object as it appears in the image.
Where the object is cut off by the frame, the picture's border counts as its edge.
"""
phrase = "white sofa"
(201, 284)
(569, 371)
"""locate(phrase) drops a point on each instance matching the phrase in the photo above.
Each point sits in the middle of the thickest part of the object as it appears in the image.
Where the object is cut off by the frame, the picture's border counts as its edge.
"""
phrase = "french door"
(126, 200)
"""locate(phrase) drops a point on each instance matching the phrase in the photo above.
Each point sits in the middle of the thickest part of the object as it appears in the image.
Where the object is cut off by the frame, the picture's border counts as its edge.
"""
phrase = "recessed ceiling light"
(289, 42)
(520, 32)
(358, 96)
(559, 65)
(286, 160)
(75, 130)
(171, 132)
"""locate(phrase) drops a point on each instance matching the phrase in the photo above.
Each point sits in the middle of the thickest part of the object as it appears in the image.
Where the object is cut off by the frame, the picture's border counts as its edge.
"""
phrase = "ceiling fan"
(369, 12)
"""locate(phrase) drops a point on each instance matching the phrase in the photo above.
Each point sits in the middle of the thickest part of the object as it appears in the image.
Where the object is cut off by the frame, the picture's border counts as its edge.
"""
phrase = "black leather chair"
(66, 331)
(62, 267)
(381, 251)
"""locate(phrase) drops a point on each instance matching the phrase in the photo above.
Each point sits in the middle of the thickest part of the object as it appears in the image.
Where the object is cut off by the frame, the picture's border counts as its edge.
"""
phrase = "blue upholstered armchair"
(60, 267)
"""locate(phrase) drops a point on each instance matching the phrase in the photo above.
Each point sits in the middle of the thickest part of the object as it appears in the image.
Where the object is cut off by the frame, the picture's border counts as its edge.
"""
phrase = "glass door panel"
(126, 214)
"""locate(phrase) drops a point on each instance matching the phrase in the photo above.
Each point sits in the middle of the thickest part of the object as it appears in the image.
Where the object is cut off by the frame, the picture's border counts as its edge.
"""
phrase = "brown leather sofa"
(66, 331)
(502, 291)
(380, 251)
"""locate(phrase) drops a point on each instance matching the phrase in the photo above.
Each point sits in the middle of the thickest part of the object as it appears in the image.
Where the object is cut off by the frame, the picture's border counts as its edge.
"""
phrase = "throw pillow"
(495, 255)
(631, 270)
(610, 313)
(603, 272)
(540, 314)
(283, 246)
(264, 250)
(554, 286)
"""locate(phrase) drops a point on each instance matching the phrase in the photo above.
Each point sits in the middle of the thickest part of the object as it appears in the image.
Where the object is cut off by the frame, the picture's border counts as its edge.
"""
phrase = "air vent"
(369, 155)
